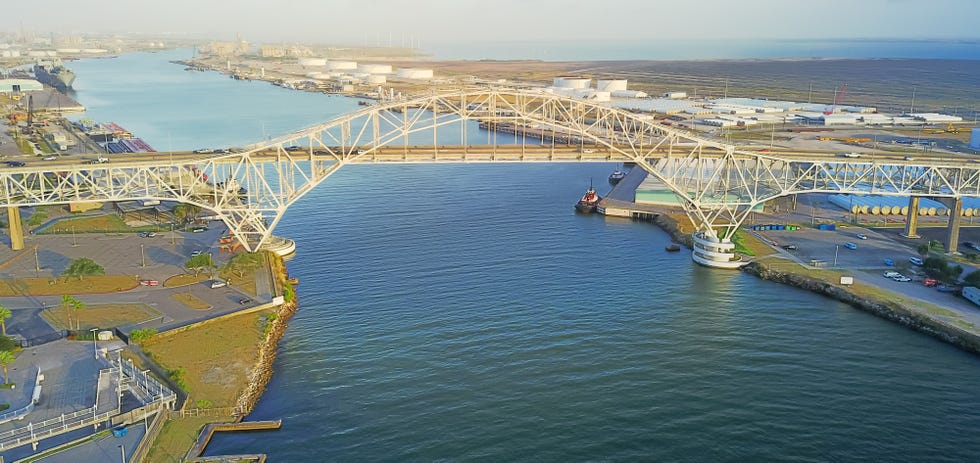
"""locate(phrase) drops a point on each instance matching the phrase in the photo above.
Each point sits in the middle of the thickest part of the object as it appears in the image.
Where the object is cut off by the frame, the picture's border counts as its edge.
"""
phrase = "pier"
(202, 441)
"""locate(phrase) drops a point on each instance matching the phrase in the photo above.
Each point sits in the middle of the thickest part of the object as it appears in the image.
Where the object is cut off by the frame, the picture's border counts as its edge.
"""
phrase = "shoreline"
(967, 341)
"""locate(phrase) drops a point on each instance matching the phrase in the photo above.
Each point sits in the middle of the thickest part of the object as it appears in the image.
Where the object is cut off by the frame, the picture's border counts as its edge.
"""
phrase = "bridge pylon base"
(711, 251)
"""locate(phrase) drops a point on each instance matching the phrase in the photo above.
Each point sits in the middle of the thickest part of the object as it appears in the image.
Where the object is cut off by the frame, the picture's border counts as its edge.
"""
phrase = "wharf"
(620, 202)
(202, 441)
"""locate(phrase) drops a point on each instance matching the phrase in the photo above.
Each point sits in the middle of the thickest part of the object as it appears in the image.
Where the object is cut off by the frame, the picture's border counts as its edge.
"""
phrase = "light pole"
(95, 345)
(74, 243)
(836, 248)
(173, 238)
(142, 256)
(122, 453)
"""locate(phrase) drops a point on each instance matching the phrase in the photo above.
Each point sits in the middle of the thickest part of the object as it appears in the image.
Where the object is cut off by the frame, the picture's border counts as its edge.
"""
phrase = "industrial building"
(20, 85)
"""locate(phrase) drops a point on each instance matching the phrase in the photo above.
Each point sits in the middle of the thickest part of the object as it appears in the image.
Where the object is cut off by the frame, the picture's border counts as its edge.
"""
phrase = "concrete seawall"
(890, 311)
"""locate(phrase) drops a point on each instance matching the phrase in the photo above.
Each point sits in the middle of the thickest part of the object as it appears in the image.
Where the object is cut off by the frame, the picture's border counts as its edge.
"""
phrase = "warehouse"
(20, 85)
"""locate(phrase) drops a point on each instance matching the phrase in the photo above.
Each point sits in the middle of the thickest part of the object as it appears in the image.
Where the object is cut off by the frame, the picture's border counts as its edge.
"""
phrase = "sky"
(419, 22)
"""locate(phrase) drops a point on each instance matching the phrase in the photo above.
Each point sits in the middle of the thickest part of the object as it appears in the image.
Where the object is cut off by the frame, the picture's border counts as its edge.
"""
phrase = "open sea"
(466, 313)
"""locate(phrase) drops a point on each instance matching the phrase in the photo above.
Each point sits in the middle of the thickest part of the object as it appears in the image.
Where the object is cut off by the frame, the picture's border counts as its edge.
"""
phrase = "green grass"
(740, 247)
(943, 312)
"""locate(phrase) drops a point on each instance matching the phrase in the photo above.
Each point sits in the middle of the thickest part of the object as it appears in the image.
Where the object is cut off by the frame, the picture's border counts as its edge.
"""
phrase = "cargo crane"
(950, 128)
(838, 98)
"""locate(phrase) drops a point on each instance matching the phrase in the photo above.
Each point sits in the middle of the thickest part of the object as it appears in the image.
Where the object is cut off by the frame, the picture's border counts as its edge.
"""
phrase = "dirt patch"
(215, 357)
(191, 301)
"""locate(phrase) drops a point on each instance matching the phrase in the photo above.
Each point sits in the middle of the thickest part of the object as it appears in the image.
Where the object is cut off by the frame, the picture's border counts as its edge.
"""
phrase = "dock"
(194, 454)
(621, 200)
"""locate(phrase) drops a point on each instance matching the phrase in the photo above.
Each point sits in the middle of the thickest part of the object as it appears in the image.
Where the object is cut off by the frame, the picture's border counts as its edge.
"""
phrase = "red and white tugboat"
(589, 201)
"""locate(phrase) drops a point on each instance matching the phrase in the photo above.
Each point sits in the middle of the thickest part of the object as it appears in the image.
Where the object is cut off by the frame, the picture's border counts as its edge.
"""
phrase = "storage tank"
(610, 85)
(312, 62)
(905, 210)
(341, 65)
(975, 138)
(375, 79)
(368, 68)
(875, 210)
(571, 82)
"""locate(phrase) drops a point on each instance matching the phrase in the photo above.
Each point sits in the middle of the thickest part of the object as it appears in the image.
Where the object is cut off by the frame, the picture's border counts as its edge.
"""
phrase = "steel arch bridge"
(251, 188)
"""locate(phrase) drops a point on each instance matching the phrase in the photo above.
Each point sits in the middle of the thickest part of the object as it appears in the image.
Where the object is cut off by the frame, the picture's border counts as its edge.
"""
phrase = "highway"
(481, 153)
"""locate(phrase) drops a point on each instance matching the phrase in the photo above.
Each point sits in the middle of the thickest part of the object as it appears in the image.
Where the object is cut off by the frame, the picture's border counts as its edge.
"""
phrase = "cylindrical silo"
(930, 211)
(896, 210)
(966, 212)
(905, 210)
(610, 85)
(571, 82)
(875, 210)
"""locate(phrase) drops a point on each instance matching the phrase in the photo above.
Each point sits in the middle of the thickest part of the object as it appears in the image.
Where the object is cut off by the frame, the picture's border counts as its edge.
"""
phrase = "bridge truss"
(250, 189)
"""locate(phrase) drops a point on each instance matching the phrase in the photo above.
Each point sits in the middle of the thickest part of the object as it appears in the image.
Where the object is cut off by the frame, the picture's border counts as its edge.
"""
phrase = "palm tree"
(72, 304)
(4, 315)
(6, 358)
(66, 302)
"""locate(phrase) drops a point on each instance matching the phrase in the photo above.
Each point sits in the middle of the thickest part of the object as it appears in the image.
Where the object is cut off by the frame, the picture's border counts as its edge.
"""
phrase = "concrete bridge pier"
(15, 227)
(955, 219)
(912, 219)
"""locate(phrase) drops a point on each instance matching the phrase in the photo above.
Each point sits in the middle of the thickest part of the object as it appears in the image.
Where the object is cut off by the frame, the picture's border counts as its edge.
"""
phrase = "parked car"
(197, 252)
(915, 261)
(244, 301)
(790, 247)
(218, 283)
(147, 234)
(891, 274)
(850, 245)
(199, 229)
(861, 236)
(16, 164)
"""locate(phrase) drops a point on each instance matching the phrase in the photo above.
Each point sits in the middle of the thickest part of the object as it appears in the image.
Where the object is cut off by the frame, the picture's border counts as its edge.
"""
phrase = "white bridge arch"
(718, 185)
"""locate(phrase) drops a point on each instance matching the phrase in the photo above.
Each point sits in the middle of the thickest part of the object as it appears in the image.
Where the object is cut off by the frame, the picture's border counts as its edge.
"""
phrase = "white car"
(861, 236)
(891, 274)
(901, 278)
(916, 261)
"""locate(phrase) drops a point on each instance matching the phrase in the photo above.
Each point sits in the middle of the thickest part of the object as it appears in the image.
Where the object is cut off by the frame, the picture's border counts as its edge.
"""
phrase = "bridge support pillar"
(714, 252)
(16, 228)
(953, 229)
(912, 219)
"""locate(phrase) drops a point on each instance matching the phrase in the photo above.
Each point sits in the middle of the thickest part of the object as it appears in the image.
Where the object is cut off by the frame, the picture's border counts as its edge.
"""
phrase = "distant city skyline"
(404, 23)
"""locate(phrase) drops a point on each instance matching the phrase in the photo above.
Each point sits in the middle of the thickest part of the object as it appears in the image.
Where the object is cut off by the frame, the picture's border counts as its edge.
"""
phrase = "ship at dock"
(55, 74)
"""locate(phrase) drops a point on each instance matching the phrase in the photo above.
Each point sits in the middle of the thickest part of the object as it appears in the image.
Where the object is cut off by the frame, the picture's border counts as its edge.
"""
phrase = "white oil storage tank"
(610, 85)
(572, 82)
(312, 62)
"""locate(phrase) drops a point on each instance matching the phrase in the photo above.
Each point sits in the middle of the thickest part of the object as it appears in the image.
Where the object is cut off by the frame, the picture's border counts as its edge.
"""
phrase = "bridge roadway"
(489, 153)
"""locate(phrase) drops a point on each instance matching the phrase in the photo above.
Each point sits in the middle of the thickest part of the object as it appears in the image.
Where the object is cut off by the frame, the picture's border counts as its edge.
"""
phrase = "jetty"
(194, 454)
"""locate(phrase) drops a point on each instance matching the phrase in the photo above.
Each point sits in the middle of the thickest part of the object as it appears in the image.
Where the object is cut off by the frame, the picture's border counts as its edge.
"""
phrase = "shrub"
(204, 403)
(138, 336)
(177, 376)
(7, 343)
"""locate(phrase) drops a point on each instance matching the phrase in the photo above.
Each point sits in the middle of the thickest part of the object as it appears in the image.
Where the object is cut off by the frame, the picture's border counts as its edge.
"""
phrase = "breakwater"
(259, 375)
(891, 311)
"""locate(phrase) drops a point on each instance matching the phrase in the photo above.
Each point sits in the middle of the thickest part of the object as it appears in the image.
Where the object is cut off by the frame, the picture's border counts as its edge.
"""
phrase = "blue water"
(696, 49)
(465, 313)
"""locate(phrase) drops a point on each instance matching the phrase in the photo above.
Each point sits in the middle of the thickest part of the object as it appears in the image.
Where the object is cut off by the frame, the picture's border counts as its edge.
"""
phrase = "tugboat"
(589, 200)
(616, 176)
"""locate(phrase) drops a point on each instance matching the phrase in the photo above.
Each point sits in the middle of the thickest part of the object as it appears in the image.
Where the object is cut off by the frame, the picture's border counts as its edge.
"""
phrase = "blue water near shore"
(465, 313)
